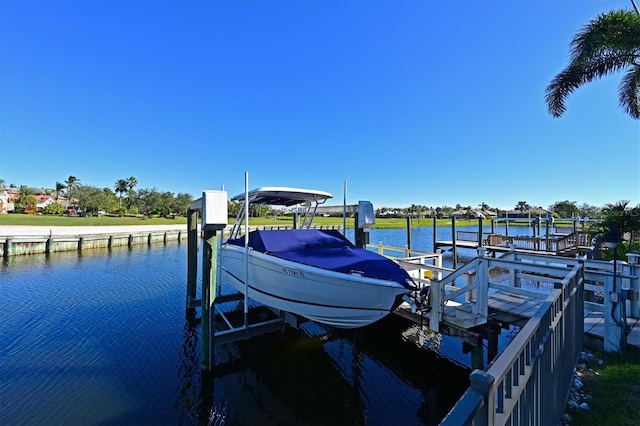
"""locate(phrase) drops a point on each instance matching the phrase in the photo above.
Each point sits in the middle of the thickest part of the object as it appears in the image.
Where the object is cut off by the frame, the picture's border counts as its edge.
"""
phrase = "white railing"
(523, 384)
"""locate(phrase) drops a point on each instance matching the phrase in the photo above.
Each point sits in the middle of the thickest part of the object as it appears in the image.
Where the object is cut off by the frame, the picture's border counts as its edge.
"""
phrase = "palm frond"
(629, 92)
(618, 30)
(608, 44)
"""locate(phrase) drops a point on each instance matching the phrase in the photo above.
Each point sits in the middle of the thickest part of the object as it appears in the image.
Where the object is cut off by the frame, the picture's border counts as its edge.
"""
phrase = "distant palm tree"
(59, 187)
(131, 183)
(121, 187)
(608, 44)
(71, 182)
(523, 206)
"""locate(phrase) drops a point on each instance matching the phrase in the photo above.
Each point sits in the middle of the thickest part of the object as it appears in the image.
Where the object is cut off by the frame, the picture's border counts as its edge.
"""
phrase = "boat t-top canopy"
(283, 196)
(280, 196)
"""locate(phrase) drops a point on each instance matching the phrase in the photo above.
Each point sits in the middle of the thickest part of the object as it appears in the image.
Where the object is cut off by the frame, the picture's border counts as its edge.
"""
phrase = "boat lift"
(220, 325)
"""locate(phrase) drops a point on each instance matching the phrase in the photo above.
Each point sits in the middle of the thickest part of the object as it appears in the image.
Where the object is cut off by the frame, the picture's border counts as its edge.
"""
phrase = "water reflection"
(102, 338)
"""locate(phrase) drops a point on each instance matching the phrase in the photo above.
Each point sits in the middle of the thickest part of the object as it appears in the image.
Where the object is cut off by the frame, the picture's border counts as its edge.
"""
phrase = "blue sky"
(428, 102)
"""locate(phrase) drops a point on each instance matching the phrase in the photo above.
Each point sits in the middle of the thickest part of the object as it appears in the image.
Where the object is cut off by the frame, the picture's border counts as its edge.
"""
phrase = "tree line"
(122, 199)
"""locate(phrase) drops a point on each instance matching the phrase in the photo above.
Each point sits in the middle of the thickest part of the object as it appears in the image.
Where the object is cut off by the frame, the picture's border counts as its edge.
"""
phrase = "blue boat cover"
(326, 249)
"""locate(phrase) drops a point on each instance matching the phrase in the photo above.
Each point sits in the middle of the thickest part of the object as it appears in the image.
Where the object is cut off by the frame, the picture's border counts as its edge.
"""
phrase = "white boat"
(317, 274)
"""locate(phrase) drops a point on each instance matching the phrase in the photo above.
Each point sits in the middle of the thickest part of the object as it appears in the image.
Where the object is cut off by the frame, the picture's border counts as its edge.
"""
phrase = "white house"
(6, 203)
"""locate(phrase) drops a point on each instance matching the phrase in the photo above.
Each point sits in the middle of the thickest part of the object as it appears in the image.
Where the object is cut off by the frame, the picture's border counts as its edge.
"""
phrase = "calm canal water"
(102, 337)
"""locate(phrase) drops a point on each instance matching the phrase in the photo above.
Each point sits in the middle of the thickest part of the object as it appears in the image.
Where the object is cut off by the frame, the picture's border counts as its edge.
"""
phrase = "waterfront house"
(6, 200)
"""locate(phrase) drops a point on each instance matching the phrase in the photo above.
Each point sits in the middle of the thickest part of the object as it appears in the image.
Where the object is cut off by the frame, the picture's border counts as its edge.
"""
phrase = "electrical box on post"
(366, 215)
(214, 209)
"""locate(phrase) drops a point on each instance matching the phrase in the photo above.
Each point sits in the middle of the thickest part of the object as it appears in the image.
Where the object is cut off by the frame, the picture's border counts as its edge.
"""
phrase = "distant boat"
(317, 274)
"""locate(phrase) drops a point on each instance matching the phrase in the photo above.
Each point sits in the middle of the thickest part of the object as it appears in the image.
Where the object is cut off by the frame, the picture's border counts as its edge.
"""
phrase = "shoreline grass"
(381, 223)
(612, 383)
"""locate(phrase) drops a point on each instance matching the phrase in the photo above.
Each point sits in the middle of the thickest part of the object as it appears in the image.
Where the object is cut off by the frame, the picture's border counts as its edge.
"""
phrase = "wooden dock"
(465, 303)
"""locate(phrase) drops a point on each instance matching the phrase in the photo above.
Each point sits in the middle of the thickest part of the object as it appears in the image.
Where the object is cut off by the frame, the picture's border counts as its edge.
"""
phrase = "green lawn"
(614, 387)
(51, 220)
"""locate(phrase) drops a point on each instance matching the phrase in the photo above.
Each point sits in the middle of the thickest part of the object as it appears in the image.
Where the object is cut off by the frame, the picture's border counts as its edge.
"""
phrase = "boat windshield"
(304, 202)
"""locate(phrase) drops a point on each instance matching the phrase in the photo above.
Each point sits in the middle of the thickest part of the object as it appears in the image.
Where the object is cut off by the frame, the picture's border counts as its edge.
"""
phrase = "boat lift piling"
(213, 205)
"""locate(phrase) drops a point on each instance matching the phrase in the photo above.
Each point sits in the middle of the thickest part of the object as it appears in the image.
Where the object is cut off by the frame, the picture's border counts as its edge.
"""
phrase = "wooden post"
(47, 246)
(81, 240)
(209, 267)
(477, 353)
(453, 238)
(361, 237)
(435, 233)
(409, 232)
(477, 357)
(493, 331)
(546, 235)
(192, 256)
(7, 247)
(480, 232)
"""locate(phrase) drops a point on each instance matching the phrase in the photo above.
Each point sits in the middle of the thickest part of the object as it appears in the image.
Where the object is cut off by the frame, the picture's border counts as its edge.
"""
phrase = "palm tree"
(523, 206)
(26, 197)
(121, 188)
(627, 221)
(71, 182)
(608, 44)
(59, 187)
(131, 195)
(131, 183)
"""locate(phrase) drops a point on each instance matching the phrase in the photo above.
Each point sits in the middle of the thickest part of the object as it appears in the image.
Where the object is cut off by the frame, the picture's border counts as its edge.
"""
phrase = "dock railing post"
(453, 242)
(482, 283)
(435, 299)
(483, 383)
(409, 232)
(633, 259)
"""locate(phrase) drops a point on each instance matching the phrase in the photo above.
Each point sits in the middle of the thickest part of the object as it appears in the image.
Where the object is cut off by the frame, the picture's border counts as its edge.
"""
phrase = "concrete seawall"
(23, 240)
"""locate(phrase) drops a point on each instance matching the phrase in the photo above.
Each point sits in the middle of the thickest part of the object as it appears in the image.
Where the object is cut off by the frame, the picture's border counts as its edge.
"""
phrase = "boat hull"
(333, 298)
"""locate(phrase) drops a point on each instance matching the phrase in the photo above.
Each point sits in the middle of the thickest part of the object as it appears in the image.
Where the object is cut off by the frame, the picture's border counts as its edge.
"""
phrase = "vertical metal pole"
(246, 249)
(409, 232)
(344, 210)
(480, 232)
